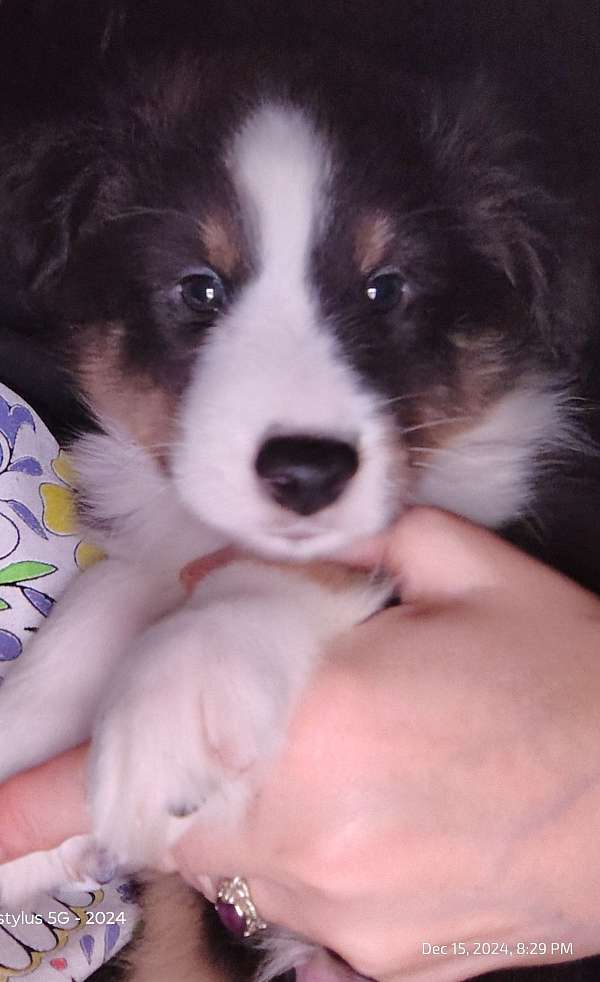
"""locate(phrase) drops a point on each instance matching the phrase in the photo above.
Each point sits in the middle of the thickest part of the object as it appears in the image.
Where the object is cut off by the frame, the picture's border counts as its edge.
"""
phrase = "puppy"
(297, 297)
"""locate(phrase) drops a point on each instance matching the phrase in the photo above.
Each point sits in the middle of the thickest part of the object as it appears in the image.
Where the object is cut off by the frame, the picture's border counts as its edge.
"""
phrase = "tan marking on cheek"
(483, 368)
(373, 237)
(144, 409)
(220, 244)
(484, 341)
(483, 373)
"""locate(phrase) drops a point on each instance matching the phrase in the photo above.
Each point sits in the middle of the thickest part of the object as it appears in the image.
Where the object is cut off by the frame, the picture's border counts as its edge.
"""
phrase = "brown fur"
(173, 945)
(484, 373)
(373, 236)
(134, 401)
(222, 250)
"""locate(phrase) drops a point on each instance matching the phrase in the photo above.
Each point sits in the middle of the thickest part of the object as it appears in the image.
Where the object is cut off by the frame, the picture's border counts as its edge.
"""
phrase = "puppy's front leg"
(77, 862)
(203, 705)
(50, 698)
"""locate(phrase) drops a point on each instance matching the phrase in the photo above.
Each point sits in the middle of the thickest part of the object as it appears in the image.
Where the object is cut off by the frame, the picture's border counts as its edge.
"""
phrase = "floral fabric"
(67, 936)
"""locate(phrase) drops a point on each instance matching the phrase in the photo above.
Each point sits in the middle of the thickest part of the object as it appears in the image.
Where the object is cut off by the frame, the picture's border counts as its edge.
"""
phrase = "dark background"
(45, 45)
(545, 53)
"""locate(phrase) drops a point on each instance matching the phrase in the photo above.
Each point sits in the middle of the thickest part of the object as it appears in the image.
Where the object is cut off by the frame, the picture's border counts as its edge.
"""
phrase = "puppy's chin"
(298, 544)
(298, 548)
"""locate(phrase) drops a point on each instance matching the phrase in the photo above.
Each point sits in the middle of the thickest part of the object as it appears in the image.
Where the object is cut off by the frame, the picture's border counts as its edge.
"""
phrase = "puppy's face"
(313, 326)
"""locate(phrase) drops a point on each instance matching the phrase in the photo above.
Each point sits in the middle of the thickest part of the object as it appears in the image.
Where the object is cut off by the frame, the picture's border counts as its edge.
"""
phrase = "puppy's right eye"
(203, 292)
(385, 289)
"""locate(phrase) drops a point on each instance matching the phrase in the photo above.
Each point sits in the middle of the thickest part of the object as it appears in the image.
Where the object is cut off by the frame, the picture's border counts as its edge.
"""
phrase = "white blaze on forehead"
(272, 363)
(279, 165)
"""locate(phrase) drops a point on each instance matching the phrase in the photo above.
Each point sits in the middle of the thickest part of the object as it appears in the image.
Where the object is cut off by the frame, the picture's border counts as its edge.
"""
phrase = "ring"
(236, 909)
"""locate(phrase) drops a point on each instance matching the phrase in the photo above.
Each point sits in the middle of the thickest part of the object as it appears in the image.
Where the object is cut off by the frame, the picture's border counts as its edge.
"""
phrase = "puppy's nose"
(305, 473)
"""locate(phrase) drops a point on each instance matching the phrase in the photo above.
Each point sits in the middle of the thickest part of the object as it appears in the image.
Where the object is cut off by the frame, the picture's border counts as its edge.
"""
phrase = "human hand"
(441, 782)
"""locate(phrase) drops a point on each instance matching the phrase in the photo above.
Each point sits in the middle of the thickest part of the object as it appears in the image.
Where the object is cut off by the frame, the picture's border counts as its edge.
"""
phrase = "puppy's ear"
(50, 194)
(492, 170)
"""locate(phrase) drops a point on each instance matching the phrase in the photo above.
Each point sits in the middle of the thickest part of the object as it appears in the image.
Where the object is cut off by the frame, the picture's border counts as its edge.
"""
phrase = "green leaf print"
(27, 570)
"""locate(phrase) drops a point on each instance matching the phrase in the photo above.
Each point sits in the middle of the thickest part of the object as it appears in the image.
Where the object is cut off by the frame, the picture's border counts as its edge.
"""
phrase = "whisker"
(407, 395)
(437, 450)
(436, 422)
(425, 210)
(535, 526)
(451, 451)
(143, 210)
(585, 405)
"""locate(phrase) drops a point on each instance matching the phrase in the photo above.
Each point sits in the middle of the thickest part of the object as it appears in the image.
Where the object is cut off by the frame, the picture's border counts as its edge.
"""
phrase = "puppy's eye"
(203, 292)
(385, 290)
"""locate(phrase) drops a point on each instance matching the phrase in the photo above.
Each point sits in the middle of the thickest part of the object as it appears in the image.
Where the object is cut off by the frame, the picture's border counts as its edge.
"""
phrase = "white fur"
(283, 951)
(77, 862)
(51, 696)
(281, 166)
(273, 365)
(194, 707)
(487, 472)
(204, 701)
(134, 514)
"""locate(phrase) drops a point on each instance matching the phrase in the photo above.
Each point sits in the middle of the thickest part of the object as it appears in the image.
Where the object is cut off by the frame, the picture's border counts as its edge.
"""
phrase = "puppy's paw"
(202, 705)
(78, 863)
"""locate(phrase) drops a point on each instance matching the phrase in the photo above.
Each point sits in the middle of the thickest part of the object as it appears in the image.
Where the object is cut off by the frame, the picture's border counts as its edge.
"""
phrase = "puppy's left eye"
(385, 290)
(203, 292)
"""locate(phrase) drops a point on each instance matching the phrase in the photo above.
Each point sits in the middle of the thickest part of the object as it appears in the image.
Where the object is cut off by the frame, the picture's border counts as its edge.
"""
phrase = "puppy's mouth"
(298, 543)
(301, 530)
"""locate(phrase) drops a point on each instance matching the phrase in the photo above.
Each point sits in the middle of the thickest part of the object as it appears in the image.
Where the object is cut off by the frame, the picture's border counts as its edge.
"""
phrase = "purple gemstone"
(230, 918)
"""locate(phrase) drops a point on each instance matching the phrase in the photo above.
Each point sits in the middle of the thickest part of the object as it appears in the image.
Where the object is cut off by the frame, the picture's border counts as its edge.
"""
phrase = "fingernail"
(207, 887)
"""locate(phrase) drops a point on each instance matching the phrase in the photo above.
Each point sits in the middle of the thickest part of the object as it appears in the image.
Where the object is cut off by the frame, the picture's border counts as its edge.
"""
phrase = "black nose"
(305, 473)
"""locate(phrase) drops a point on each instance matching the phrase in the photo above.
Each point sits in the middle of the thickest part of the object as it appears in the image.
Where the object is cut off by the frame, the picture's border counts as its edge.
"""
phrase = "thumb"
(438, 556)
(207, 861)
